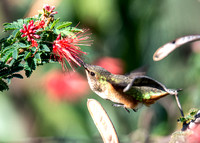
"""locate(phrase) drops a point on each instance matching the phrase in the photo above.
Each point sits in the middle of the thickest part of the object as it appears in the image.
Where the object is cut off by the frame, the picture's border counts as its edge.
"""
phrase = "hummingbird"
(128, 91)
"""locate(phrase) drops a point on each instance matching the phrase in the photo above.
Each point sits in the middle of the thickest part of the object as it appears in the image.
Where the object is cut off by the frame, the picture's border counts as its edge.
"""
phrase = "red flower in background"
(68, 49)
(194, 128)
(71, 86)
(195, 136)
(113, 65)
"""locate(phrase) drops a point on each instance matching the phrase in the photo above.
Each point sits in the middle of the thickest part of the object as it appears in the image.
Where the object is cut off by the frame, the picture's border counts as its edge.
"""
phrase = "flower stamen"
(67, 48)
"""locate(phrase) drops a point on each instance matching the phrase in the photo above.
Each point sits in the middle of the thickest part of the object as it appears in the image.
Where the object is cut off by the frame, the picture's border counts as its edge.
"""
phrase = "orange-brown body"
(118, 96)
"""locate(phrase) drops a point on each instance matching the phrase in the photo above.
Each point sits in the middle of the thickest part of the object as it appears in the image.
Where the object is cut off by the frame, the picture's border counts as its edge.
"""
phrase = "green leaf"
(4, 71)
(54, 23)
(14, 46)
(68, 31)
(38, 58)
(3, 85)
(8, 48)
(76, 30)
(15, 33)
(33, 49)
(63, 25)
(13, 26)
(11, 51)
(7, 56)
(12, 62)
(9, 26)
(34, 64)
(27, 69)
(65, 31)
(27, 55)
(15, 54)
(45, 48)
(16, 68)
(21, 45)
(28, 73)
(17, 24)
(17, 76)
(30, 65)
(7, 70)
(3, 40)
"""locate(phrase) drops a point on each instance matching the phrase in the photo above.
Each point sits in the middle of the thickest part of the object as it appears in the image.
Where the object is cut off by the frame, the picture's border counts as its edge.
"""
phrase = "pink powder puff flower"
(67, 48)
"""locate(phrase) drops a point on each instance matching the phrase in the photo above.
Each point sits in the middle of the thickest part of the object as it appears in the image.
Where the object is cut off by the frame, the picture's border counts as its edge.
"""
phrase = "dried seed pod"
(102, 121)
(166, 49)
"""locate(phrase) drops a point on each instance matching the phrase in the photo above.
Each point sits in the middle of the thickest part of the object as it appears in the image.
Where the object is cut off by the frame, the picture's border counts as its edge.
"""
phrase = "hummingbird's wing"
(141, 71)
(145, 81)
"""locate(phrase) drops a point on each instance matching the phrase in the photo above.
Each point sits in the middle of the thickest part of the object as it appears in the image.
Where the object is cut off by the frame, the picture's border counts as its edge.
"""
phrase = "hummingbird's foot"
(121, 105)
(135, 110)
(126, 109)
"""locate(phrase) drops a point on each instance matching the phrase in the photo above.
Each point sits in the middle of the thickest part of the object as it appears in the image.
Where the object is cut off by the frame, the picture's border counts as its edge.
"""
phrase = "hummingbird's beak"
(83, 64)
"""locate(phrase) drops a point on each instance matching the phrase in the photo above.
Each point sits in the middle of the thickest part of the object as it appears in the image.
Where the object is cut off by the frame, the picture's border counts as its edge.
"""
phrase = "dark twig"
(181, 110)
(179, 105)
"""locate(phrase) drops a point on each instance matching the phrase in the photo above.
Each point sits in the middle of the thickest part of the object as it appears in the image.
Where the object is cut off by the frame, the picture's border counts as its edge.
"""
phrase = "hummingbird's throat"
(97, 85)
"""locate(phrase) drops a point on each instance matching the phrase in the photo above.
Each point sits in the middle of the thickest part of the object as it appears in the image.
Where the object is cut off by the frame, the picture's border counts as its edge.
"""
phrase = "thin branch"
(179, 105)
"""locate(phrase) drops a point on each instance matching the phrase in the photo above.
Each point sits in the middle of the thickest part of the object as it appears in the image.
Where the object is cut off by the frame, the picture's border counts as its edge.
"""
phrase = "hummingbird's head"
(97, 77)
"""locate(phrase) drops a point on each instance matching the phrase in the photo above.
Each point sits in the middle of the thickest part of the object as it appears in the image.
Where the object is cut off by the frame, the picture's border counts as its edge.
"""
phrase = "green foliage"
(17, 53)
(3, 85)
(189, 117)
(64, 25)
(54, 23)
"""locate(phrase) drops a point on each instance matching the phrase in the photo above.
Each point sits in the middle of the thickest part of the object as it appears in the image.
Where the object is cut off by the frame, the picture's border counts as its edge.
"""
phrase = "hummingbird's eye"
(92, 73)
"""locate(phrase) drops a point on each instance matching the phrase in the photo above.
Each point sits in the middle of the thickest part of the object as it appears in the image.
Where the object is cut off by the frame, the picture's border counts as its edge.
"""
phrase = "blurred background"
(48, 106)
